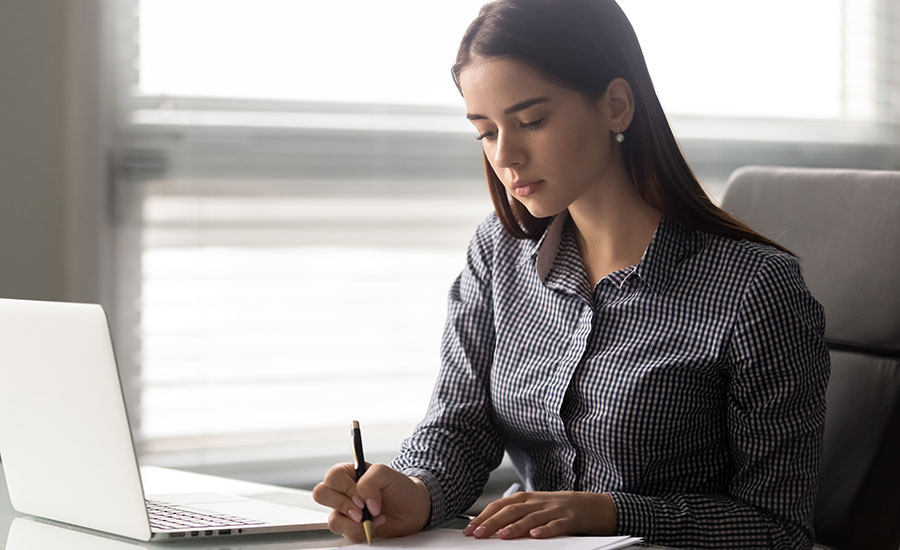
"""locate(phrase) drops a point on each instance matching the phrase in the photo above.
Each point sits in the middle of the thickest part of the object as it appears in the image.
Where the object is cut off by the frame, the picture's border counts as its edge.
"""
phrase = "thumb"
(372, 485)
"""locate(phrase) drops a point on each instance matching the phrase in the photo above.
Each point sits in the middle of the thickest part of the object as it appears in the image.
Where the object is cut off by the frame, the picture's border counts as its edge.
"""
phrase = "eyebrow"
(520, 106)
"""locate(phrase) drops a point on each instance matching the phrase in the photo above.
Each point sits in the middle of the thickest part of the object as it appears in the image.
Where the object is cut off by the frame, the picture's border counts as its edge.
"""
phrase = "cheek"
(593, 137)
(588, 148)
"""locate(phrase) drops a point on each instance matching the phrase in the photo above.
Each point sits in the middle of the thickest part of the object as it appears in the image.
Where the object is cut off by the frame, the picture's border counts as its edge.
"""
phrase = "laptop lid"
(65, 442)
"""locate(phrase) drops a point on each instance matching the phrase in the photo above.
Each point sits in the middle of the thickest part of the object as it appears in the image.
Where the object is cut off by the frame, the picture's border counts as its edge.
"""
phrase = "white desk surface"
(35, 534)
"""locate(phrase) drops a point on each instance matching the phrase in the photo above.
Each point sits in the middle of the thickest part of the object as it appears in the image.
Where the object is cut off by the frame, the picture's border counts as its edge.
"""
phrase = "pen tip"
(367, 527)
(356, 424)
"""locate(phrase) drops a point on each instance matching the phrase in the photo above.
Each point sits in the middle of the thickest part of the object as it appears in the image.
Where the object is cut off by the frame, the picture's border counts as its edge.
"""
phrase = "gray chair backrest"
(845, 227)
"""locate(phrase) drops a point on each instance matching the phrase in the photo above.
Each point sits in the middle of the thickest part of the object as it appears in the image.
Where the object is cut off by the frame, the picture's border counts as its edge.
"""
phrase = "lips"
(522, 188)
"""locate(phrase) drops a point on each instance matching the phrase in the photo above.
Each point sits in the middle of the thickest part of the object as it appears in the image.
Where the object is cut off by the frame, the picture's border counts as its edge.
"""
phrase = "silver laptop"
(66, 446)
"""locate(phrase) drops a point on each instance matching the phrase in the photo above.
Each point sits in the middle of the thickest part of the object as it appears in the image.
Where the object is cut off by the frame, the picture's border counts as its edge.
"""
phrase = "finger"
(489, 511)
(326, 496)
(506, 516)
(523, 526)
(370, 486)
(340, 524)
(374, 507)
(341, 478)
(553, 528)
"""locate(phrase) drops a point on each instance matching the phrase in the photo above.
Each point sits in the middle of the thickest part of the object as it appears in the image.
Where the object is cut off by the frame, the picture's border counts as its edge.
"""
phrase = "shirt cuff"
(438, 512)
(635, 515)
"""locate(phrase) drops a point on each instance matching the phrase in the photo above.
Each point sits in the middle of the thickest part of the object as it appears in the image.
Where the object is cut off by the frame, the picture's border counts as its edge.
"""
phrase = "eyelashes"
(531, 125)
(491, 135)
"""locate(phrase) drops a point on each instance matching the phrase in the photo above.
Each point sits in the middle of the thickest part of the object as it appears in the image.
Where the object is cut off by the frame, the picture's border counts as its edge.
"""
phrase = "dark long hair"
(583, 45)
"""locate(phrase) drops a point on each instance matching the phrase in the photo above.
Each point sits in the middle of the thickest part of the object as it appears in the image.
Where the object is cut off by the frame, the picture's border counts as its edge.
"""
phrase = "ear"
(618, 104)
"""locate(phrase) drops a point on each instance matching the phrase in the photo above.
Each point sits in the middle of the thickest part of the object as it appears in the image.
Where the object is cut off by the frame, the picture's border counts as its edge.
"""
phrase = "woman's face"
(549, 145)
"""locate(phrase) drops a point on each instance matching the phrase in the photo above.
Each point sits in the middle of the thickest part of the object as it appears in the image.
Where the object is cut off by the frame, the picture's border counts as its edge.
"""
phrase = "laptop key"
(167, 516)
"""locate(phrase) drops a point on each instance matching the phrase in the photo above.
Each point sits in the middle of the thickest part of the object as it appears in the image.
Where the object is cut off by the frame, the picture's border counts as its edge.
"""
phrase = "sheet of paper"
(453, 539)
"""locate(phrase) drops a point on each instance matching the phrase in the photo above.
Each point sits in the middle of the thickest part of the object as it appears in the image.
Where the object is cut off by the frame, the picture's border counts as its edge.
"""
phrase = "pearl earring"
(620, 137)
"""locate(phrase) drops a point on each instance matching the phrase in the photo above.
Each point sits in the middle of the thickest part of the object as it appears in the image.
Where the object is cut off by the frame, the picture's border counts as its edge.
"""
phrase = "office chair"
(845, 227)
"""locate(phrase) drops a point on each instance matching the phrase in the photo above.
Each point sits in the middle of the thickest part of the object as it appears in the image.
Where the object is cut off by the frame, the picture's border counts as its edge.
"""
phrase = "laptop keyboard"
(169, 516)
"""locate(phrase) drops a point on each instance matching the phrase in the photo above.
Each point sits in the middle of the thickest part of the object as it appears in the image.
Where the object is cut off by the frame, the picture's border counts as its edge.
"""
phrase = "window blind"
(296, 185)
(272, 315)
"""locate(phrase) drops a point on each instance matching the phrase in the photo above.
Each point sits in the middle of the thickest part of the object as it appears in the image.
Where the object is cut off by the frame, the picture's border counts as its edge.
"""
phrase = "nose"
(508, 151)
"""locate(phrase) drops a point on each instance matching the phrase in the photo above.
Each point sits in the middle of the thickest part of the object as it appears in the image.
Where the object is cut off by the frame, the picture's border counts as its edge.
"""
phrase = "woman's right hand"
(399, 504)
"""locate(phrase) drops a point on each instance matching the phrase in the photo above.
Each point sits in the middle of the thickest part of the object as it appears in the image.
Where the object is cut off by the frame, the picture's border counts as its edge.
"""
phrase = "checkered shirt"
(690, 386)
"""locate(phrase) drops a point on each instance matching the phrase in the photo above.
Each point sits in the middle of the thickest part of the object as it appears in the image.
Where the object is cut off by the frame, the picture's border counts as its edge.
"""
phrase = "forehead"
(489, 85)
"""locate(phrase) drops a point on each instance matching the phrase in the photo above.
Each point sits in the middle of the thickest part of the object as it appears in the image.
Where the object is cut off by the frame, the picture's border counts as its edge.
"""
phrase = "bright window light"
(397, 51)
(768, 58)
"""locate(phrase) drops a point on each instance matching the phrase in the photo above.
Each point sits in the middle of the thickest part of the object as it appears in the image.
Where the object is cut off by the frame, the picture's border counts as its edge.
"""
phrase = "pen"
(359, 462)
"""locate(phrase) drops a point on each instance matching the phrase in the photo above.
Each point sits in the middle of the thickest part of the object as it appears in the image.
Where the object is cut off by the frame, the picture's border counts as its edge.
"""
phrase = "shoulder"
(765, 278)
(739, 273)
(750, 261)
(708, 266)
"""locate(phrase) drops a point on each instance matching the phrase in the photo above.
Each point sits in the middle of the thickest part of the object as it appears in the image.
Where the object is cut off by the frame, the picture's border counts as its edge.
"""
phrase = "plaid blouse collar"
(672, 243)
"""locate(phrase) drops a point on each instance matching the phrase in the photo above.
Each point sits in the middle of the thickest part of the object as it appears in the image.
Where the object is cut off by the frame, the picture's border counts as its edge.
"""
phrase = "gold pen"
(359, 462)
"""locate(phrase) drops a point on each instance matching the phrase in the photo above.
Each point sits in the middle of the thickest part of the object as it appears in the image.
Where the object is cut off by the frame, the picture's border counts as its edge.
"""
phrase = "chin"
(539, 210)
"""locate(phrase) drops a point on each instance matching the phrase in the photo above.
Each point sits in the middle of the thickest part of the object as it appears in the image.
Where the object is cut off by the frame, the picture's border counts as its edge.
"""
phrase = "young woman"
(651, 365)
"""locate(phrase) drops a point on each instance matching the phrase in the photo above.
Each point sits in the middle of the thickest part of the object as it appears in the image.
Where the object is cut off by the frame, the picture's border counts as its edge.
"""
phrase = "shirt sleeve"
(457, 445)
(778, 367)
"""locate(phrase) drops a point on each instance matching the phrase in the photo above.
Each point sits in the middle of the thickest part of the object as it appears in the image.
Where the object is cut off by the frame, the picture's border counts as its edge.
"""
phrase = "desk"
(34, 534)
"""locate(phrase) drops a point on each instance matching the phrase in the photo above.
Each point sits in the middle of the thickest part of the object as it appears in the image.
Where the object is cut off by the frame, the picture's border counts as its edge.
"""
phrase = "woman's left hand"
(546, 514)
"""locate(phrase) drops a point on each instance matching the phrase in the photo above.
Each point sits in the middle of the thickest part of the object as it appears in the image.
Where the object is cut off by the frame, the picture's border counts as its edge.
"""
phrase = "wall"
(55, 108)
(32, 210)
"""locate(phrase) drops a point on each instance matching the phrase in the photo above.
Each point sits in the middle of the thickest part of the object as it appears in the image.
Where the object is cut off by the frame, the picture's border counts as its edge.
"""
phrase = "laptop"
(66, 446)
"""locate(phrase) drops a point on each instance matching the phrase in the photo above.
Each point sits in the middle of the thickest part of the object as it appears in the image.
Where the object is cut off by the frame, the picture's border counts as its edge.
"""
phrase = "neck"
(613, 226)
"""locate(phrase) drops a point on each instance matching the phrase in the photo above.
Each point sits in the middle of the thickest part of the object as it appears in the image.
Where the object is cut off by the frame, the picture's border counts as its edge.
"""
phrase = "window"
(738, 60)
(296, 185)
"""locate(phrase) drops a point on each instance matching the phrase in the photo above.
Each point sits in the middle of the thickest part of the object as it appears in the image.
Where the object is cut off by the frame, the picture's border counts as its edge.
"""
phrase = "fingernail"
(357, 501)
(355, 514)
(505, 532)
(379, 521)
(468, 530)
(374, 507)
(536, 532)
(481, 530)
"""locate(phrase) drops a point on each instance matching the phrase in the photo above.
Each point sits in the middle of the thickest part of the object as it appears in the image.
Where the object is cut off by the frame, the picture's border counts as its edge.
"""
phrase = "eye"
(532, 125)
(489, 135)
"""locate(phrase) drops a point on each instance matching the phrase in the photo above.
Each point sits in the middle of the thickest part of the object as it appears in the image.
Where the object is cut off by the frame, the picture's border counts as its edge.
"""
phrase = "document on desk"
(453, 539)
